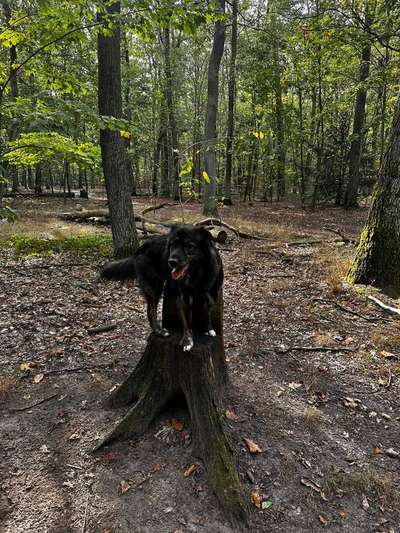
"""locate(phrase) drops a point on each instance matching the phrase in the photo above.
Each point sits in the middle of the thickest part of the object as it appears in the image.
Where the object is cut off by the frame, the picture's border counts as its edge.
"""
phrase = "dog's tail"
(122, 269)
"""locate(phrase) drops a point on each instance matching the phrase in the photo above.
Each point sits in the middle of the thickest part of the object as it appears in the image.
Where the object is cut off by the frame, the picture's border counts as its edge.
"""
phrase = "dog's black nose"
(172, 263)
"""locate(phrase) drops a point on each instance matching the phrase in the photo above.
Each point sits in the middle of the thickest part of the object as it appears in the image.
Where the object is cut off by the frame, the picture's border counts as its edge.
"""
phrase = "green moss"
(27, 246)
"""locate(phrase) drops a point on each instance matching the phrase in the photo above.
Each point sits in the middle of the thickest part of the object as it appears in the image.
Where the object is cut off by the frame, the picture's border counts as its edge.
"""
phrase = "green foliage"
(33, 148)
(27, 246)
(8, 214)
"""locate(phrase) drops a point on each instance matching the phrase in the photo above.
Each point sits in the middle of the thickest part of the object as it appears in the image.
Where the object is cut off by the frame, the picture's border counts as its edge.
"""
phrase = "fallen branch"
(346, 309)
(316, 349)
(102, 329)
(237, 232)
(31, 406)
(156, 207)
(345, 239)
(382, 305)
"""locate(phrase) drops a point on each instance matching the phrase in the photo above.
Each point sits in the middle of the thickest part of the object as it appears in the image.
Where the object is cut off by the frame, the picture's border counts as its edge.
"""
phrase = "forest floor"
(314, 366)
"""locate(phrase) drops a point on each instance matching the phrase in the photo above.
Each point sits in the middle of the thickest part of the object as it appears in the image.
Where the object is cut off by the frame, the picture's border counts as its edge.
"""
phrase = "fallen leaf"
(295, 386)
(365, 504)
(106, 530)
(177, 424)
(343, 514)
(124, 486)
(392, 453)
(74, 436)
(376, 450)
(231, 415)
(68, 484)
(351, 402)
(256, 499)
(38, 378)
(252, 446)
(107, 458)
(190, 470)
(323, 520)
(383, 376)
(27, 366)
(266, 505)
(388, 355)
(44, 449)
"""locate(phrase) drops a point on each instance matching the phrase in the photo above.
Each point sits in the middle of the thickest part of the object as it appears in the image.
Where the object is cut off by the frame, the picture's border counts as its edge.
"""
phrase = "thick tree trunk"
(231, 107)
(166, 372)
(378, 254)
(351, 195)
(210, 129)
(112, 145)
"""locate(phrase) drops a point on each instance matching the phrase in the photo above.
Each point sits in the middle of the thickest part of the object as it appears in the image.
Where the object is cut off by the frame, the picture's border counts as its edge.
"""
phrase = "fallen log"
(237, 232)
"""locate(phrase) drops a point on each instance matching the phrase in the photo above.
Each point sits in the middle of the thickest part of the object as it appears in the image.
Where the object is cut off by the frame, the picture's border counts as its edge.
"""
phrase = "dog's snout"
(172, 263)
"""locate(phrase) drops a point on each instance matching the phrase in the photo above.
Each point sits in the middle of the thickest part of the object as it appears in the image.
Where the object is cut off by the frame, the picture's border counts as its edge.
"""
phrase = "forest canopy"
(306, 95)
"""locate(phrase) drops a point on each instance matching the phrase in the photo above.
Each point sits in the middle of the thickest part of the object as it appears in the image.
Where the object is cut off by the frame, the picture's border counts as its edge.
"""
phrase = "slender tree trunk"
(169, 94)
(351, 195)
(378, 254)
(112, 144)
(210, 129)
(303, 176)
(231, 106)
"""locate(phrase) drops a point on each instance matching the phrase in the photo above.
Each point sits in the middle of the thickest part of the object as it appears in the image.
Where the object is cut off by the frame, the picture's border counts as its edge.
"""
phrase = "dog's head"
(186, 246)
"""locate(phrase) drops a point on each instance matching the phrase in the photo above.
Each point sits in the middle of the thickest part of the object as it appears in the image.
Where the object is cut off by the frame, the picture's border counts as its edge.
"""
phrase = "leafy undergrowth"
(27, 246)
(313, 407)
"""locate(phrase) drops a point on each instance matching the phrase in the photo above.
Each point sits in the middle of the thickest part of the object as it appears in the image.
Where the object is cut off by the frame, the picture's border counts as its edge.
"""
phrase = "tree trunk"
(13, 130)
(112, 145)
(280, 150)
(378, 254)
(169, 94)
(351, 195)
(166, 372)
(231, 106)
(210, 129)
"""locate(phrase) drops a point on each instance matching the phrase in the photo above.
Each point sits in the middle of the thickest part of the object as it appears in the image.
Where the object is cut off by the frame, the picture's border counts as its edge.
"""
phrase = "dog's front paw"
(187, 343)
(211, 333)
(161, 332)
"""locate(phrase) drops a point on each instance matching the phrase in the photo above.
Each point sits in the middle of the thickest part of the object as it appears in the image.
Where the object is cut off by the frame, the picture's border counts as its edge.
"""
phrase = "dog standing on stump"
(188, 263)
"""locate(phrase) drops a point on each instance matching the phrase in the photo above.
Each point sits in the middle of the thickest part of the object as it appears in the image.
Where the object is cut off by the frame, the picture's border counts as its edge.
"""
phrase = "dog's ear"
(206, 234)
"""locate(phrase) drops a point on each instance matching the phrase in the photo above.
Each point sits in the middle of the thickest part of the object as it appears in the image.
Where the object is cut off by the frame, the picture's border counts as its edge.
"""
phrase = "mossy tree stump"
(165, 371)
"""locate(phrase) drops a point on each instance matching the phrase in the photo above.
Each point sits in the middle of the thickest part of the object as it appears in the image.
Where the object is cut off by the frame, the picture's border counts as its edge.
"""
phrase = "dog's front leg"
(208, 304)
(185, 313)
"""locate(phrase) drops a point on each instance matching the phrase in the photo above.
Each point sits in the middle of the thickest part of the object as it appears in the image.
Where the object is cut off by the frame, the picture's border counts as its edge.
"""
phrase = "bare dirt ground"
(314, 367)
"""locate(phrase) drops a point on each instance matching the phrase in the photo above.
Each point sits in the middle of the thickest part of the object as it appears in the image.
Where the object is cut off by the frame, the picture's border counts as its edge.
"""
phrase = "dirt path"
(326, 419)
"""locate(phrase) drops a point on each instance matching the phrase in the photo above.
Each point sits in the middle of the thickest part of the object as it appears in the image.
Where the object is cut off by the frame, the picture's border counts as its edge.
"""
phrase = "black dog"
(187, 260)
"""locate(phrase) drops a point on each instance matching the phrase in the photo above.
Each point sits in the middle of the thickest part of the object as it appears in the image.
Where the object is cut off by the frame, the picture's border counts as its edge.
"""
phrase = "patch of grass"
(367, 481)
(28, 246)
(335, 264)
(312, 415)
(7, 384)
(385, 337)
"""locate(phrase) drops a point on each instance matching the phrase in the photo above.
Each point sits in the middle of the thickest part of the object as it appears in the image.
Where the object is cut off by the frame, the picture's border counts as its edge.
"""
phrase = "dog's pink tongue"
(180, 273)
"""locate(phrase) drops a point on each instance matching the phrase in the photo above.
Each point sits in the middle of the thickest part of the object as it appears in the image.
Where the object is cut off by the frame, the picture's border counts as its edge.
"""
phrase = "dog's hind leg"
(152, 306)
(185, 312)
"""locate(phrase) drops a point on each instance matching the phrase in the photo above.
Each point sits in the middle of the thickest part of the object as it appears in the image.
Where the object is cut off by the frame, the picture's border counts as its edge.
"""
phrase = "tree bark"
(210, 129)
(112, 145)
(231, 106)
(169, 96)
(351, 195)
(166, 372)
(378, 254)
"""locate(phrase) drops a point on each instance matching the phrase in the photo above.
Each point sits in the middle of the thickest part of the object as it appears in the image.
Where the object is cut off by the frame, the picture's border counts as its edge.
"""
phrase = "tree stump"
(165, 371)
